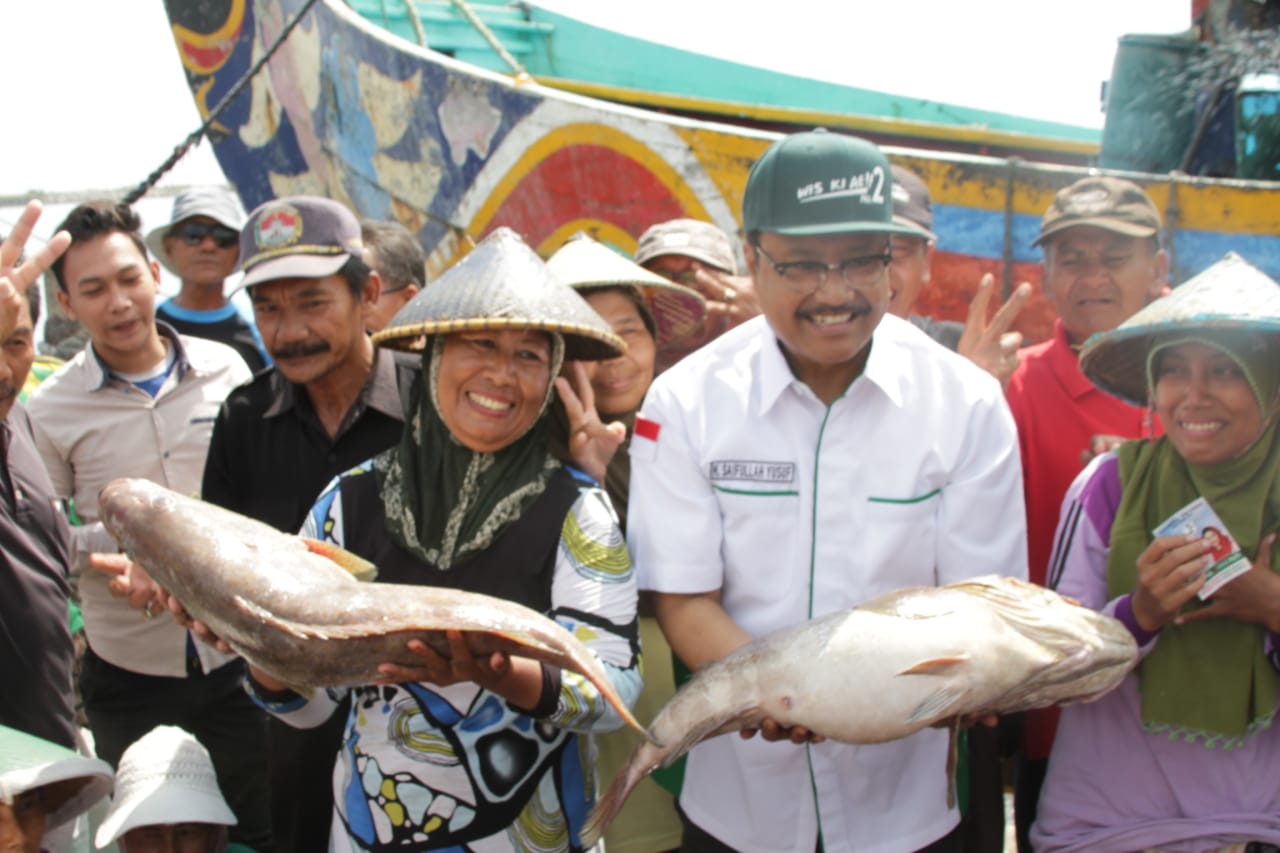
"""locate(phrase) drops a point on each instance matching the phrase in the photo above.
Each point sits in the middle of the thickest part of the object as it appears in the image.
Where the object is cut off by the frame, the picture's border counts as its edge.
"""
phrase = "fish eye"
(162, 502)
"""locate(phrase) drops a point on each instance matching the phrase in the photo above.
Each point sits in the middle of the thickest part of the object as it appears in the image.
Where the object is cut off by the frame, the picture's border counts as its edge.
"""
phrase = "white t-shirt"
(794, 510)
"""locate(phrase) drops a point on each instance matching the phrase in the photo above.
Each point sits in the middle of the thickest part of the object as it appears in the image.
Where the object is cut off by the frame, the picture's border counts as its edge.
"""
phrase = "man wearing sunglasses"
(201, 246)
(802, 463)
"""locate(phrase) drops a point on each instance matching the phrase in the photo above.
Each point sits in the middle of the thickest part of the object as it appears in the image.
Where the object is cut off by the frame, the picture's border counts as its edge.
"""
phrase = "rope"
(181, 150)
(488, 36)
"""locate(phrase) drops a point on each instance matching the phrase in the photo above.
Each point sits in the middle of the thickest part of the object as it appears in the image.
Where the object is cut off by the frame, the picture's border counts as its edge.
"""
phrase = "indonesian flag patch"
(644, 439)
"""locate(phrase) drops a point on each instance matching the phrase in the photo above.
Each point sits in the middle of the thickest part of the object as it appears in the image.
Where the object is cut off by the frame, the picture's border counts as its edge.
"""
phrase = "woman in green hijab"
(1184, 755)
(492, 753)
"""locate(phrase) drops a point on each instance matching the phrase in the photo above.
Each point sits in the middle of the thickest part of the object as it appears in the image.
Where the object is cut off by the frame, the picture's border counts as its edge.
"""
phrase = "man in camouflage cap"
(1102, 262)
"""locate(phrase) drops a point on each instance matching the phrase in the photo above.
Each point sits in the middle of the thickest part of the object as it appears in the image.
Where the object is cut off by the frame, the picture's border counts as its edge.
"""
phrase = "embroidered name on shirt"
(754, 472)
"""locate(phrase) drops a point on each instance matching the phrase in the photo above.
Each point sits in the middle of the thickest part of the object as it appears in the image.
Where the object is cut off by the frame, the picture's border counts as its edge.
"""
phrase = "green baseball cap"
(821, 183)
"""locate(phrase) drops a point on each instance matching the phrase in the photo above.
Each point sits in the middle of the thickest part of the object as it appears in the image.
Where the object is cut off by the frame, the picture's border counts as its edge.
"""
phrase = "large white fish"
(890, 667)
(287, 607)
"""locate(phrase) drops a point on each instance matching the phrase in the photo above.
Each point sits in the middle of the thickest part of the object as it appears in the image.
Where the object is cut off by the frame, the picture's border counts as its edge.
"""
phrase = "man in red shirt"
(1102, 262)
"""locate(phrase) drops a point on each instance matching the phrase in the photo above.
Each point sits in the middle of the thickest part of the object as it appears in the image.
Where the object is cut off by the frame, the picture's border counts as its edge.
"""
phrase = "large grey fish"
(287, 607)
(890, 667)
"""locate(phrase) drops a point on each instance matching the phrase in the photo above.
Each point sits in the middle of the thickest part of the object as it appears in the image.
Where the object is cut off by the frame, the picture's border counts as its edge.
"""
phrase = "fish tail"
(589, 667)
(608, 806)
(610, 695)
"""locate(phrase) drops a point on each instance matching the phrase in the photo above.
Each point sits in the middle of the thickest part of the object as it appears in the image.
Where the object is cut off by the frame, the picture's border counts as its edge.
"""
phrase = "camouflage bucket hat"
(691, 238)
(1112, 204)
(1230, 295)
(501, 284)
(586, 264)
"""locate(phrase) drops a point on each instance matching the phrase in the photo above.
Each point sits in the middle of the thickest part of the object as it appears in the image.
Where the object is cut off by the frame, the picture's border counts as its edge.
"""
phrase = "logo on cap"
(867, 187)
(1090, 201)
(278, 227)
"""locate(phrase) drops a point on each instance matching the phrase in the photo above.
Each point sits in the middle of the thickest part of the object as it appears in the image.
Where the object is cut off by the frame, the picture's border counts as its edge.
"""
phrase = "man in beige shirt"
(139, 401)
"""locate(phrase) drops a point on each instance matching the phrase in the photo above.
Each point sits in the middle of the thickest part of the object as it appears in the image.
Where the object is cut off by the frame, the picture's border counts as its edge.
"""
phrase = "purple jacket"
(1111, 786)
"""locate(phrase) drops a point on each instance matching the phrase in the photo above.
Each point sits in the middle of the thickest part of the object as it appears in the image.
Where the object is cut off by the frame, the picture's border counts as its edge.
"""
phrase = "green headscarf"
(1208, 679)
(444, 502)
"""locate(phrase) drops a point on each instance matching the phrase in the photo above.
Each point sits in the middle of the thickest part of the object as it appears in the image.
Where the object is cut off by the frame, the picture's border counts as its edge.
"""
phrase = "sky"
(110, 101)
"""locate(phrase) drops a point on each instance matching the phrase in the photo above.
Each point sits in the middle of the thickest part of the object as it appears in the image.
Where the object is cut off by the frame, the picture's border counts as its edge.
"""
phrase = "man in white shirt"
(804, 462)
(140, 401)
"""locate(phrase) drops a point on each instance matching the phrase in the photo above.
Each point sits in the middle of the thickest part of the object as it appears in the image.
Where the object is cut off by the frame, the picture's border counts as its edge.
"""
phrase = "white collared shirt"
(90, 428)
(794, 510)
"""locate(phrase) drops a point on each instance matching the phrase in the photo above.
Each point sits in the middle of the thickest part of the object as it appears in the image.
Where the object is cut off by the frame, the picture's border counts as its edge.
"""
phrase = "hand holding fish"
(917, 657)
(198, 629)
(1170, 573)
(1252, 597)
(773, 730)
(131, 581)
(516, 679)
(242, 579)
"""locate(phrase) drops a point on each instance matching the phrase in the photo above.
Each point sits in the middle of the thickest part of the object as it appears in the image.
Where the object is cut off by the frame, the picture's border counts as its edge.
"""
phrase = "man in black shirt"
(35, 641)
(199, 246)
(329, 402)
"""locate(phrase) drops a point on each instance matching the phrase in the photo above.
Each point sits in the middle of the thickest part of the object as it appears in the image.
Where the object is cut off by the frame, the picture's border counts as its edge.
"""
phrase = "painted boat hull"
(349, 111)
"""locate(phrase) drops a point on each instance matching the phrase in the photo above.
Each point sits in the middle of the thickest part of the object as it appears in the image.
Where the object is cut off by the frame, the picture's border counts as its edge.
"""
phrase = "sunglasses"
(193, 234)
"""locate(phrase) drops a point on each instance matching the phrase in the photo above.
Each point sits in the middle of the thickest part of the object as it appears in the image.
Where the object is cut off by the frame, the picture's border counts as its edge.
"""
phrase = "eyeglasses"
(808, 276)
(193, 234)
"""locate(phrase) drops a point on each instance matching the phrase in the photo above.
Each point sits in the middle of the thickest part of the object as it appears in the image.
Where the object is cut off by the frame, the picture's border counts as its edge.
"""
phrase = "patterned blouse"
(457, 768)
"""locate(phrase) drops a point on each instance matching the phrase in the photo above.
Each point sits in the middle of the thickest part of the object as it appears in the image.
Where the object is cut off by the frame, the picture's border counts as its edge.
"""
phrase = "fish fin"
(953, 760)
(935, 666)
(359, 568)
(607, 806)
(936, 705)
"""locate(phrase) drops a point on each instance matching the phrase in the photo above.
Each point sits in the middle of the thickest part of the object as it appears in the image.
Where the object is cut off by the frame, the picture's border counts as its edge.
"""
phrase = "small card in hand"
(1198, 519)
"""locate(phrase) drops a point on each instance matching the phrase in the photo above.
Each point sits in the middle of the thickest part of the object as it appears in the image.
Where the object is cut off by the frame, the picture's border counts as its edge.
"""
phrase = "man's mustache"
(300, 350)
(857, 309)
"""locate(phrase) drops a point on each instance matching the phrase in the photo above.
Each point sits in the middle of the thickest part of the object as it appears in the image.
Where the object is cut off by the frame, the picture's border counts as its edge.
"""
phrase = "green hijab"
(1210, 679)
(444, 502)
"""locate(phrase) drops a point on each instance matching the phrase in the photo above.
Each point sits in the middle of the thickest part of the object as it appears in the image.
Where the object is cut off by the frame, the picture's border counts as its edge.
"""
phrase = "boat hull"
(349, 111)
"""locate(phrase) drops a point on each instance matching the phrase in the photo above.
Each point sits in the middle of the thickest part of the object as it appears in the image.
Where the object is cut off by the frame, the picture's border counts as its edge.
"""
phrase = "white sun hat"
(72, 782)
(164, 777)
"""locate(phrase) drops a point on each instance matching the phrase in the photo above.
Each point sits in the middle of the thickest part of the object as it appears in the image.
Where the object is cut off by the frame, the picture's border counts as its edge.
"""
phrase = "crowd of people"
(670, 454)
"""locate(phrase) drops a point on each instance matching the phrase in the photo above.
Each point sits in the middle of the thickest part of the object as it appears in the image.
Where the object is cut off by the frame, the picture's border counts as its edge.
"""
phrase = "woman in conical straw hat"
(1184, 755)
(463, 753)
(648, 312)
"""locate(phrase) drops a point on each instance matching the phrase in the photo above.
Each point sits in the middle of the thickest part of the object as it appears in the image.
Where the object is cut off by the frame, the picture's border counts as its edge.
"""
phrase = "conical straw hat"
(586, 264)
(501, 284)
(1231, 294)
